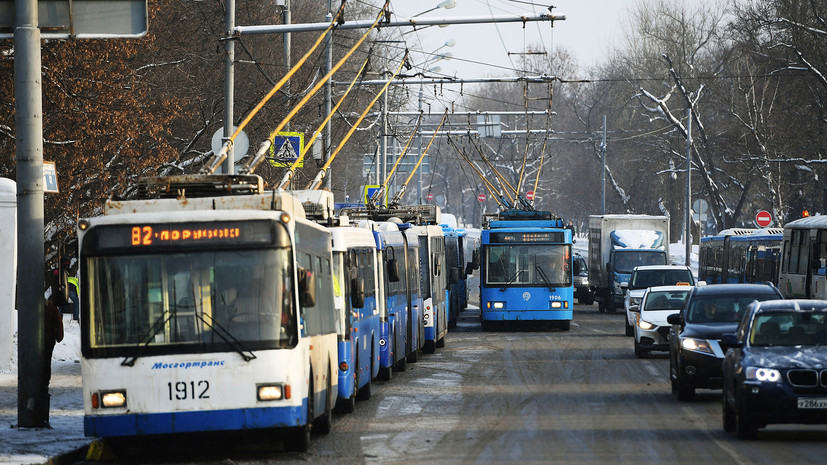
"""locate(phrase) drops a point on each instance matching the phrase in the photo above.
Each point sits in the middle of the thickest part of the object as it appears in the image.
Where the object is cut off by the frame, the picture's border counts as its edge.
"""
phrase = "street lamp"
(446, 4)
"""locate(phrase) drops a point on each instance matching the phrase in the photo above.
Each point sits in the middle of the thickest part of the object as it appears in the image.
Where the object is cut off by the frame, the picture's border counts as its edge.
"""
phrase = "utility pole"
(229, 84)
(688, 206)
(32, 385)
(382, 172)
(287, 18)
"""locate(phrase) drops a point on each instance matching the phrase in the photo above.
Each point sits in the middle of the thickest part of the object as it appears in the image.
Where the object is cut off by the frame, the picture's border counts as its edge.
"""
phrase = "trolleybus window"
(536, 264)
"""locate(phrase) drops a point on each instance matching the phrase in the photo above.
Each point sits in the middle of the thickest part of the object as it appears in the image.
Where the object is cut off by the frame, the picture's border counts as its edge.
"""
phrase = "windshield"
(789, 329)
(665, 300)
(171, 301)
(625, 261)
(641, 279)
(529, 265)
(579, 267)
(721, 308)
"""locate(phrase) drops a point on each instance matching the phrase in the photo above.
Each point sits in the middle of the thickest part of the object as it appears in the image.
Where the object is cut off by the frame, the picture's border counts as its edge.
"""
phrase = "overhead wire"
(321, 174)
(251, 165)
(219, 158)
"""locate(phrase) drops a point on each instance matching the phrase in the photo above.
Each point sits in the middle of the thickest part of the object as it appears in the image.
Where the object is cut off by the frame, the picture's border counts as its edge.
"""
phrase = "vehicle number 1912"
(182, 390)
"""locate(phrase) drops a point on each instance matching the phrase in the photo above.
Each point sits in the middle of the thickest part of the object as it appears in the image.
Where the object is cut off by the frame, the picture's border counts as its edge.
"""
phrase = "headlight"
(270, 392)
(696, 345)
(763, 374)
(646, 325)
(635, 301)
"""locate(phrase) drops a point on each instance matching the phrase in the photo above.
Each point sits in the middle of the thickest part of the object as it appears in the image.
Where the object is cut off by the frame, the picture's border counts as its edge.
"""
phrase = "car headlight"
(763, 374)
(696, 345)
(635, 301)
(645, 325)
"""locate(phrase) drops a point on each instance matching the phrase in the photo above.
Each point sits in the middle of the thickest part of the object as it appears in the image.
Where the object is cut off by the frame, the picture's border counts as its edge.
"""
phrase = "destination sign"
(555, 237)
(185, 234)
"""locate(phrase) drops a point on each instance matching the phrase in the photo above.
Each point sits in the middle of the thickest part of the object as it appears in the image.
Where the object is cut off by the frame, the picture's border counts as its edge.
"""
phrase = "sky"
(482, 50)
(589, 31)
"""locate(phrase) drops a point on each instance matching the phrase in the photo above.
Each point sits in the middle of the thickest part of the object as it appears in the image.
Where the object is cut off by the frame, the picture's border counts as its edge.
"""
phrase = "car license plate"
(809, 403)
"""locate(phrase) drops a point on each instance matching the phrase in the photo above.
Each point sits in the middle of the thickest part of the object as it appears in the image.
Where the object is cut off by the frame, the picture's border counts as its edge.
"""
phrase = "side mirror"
(624, 285)
(674, 319)
(307, 288)
(701, 283)
(730, 341)
(357, 292)
(475, 259)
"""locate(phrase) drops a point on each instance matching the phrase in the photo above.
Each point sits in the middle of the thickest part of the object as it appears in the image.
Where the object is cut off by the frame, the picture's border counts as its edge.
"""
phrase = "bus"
(207, 307)
(455, 260)
(526, 270)
(740, 256)
(803, 273)
(355, 284)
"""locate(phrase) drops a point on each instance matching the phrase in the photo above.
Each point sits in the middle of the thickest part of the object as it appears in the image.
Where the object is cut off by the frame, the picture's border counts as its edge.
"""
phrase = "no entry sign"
(481, 197)
(763, 219)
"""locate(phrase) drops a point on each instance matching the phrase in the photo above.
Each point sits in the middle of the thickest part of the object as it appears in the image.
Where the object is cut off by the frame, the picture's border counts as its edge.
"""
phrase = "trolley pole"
(32, 385)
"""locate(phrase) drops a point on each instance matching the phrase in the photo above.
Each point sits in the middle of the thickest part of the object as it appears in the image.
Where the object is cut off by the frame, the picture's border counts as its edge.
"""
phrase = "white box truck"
(619, 243)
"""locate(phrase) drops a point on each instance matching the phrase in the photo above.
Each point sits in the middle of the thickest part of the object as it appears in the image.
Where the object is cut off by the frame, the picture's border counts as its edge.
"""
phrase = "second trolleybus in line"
(526, 270)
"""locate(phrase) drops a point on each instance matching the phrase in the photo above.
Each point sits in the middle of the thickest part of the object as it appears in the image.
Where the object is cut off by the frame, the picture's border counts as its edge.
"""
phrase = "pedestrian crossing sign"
(285, 149)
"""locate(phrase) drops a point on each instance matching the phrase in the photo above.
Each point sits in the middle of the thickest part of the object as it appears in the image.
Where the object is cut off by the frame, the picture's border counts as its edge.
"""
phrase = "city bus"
(526, 271)
(740, 256)
(803, 273)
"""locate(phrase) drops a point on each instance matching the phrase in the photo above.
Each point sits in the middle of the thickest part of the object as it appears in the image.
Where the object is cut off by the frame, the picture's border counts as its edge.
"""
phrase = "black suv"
(695, 352)
(580, 272)
(774, 371)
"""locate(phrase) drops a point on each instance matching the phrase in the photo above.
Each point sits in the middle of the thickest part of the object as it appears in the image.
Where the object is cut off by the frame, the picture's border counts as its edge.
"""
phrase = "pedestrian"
(54, 333)
(571, 227)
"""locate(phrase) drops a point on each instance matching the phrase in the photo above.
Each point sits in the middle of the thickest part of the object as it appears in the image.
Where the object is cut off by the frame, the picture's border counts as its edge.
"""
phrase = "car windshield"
(641, 279)
(721, 308)
(665, 300)
(789, 329)
(627, 260)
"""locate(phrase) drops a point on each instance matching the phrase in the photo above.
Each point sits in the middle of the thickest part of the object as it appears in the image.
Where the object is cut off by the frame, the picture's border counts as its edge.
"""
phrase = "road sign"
(481, 197)
(81, 19)
(529, 195)
(370, 189)
(699, 210)
(50, 178)
(286, 148)
(240, 146)
(763, 219)
(429, 196)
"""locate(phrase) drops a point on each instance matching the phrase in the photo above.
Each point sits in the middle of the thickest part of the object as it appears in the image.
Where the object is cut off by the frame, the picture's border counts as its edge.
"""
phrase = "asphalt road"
(545, 397)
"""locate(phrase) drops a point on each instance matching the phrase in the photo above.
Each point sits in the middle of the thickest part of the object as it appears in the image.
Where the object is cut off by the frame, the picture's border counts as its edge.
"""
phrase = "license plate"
(806, 403)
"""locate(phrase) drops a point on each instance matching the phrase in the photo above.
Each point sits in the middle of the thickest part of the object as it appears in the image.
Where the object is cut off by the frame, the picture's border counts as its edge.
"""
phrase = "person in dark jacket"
(54, 334)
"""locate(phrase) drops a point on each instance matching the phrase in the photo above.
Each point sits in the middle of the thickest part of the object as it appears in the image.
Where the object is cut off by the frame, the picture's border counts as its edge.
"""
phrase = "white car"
(647, 276)
(651, 327)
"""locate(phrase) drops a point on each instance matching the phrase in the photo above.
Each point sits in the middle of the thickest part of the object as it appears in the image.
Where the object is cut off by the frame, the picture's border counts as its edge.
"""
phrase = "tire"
(299, 441)
(745, 427)
(323, 424)
(413, 357)
(429, 347)
(589, 300)
(401, 365)
(364, 392)
(728, 415)
(440, 343)
(601, 307)
(640, 351)
(630, 330)
(611, 308)
(385, 373)
(346, 405)
(685, 391)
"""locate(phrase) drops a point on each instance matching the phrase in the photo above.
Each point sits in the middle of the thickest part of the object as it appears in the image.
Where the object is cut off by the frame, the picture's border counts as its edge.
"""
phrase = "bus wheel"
(440, 343)
(299, 441)
(413, 357)
(429, 347)
(401, 365)
(385, 373)
(323, 423)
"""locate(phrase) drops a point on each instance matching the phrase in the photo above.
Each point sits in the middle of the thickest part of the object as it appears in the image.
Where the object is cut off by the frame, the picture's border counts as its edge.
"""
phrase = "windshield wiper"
(157, 326)
(511, 280)
(545, 278)
(228, 338)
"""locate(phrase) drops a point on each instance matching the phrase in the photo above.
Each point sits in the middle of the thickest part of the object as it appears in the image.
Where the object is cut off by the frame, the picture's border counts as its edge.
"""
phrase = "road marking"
(736, 457)
(652, 369)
